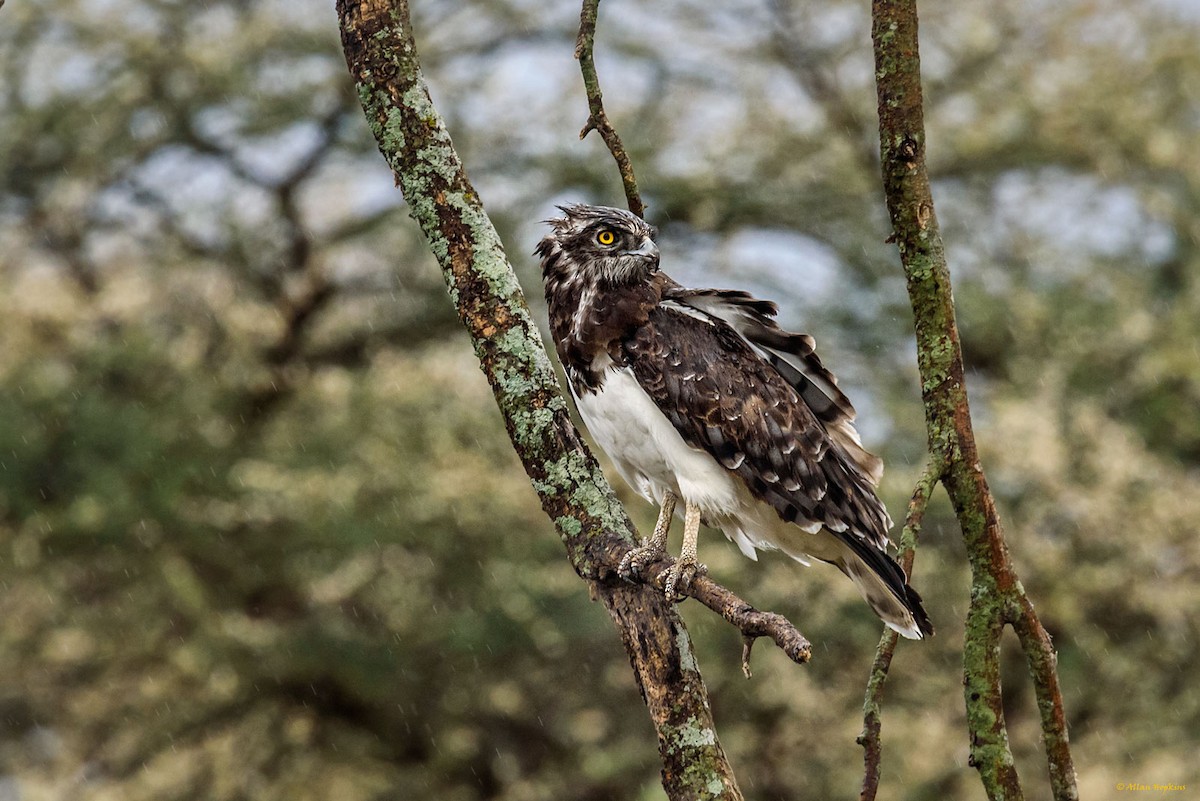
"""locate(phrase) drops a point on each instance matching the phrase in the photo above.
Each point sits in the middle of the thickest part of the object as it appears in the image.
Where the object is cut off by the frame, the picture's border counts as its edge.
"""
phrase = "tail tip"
(913, 627)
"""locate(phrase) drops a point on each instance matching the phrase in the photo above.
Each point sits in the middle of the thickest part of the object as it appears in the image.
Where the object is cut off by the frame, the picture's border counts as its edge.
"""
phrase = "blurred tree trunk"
(997, 597)
(380, 50)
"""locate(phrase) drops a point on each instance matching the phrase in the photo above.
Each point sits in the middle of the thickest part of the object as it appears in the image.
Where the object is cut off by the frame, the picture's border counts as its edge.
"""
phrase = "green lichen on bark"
(997, 597)
(709, 786)
(870, 736)
(990, 752)
(1043, 666)
(482, 284)
(694, 735)
(694, 764)
(378, 42)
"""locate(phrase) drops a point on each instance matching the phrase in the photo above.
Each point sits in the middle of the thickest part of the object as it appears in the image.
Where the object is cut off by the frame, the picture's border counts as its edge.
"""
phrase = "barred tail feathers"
(883, 585)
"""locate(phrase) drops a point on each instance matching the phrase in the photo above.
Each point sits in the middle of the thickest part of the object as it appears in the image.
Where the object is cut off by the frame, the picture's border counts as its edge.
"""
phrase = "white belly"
(653, 458)
(649, 452)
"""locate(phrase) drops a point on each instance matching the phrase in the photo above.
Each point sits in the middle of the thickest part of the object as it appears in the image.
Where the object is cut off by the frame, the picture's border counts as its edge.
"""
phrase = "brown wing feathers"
(793, 356)
(722, 397)
(730, 381)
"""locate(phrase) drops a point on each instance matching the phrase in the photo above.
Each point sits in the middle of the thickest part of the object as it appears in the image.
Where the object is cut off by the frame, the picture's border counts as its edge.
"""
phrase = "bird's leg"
(658, 541)
(654, 546)
(680, 574)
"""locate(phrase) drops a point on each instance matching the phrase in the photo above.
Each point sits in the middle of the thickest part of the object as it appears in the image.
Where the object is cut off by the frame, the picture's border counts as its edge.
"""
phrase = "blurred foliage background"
(261, 532)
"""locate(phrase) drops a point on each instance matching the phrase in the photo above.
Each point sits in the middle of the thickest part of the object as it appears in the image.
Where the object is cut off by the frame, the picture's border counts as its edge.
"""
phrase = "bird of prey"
(697, 394)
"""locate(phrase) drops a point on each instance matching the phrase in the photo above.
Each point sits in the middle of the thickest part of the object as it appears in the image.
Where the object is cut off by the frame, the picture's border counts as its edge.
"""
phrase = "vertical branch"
(869, 739)
(380, 50)
(597, 119)
(996, 593)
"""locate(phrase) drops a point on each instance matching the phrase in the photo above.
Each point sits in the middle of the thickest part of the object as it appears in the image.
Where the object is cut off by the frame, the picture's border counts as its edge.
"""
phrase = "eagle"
(698, 395)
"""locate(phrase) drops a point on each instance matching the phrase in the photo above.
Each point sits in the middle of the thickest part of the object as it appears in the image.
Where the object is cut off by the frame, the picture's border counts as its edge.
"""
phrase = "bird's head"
(598, 245)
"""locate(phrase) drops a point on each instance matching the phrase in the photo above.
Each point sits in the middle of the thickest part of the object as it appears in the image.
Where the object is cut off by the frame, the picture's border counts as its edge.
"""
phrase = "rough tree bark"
(379, 45)
(997, 597)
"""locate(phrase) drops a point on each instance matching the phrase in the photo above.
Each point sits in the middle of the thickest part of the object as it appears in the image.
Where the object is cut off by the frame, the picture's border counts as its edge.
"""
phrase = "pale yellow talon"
(679, 578)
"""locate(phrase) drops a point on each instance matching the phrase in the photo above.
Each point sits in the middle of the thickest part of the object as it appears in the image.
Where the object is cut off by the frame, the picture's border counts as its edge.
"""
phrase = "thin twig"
(751, 622)
(1043, 664)
(597, 119)
(869, 739)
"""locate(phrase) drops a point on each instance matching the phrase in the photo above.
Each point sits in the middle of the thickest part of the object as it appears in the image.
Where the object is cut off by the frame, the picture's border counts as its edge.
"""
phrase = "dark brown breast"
(589, 323)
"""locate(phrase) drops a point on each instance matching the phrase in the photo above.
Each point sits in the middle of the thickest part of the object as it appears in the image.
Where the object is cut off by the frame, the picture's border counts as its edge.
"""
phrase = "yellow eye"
(606, 237)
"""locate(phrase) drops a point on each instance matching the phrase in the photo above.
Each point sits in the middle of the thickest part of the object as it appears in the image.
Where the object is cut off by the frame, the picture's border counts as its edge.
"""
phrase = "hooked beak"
(648, 251)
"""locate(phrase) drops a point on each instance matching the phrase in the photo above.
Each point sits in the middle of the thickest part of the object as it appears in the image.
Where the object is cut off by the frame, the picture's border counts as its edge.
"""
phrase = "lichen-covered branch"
(380, 50)
(597, 119)
(997, 597)
(1043, 667)
(869, 739)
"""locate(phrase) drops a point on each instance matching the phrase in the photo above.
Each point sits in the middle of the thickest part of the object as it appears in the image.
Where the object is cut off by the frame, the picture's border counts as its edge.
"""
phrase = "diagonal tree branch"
(1043, 667)
(869, 739)
(751, 622)
(997, 597)
(380, 50)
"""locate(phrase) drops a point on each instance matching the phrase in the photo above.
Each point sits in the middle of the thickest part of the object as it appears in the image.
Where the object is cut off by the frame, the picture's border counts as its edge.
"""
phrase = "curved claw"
(679, 577)
(653, 548)
(635, 560)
